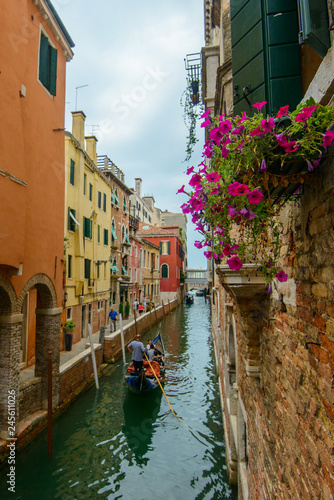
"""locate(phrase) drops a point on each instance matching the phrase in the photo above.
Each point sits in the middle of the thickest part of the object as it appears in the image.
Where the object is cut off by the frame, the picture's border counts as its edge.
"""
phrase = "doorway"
(83, 321)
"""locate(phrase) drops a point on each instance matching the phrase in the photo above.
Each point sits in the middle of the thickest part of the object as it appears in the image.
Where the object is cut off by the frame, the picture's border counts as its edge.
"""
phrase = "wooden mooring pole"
(49, 402)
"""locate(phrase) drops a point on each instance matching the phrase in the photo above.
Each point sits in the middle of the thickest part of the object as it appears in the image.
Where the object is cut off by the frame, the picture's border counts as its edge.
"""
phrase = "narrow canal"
(113, 444)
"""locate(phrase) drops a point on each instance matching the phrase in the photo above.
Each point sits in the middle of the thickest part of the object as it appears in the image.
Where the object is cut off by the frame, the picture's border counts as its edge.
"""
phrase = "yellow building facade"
(87, 233)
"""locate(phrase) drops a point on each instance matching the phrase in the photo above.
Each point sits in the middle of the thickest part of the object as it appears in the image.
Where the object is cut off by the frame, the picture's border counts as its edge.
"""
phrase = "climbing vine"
(192, 111)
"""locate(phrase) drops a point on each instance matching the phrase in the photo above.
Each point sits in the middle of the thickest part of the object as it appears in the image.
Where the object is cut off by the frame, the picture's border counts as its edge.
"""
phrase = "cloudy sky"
(131, 56)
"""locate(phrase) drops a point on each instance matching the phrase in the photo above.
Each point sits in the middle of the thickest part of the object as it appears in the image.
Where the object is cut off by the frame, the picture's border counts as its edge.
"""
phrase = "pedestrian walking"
(113, 315)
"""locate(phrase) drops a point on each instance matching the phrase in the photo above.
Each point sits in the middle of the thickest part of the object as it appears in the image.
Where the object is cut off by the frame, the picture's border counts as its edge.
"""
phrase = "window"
(141, 257)
(164, 271)
(91, 192)
(164, 247)
(97, 270)
(98, 233)
(47, 65)
(116, 197)
(69, 313)
(313, 20)
(87, 269)
(72, 172)
(113, 233)
(85, 184)
(87, 228)
(99, 199)
(106, 237)
(124, 203)
(135, 250)
(113, 267)
(71, 220)
(104, 202)
(69, 266)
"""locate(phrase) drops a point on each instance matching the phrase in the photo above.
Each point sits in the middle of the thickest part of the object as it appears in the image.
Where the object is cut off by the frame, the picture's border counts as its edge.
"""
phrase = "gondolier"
(136, 347)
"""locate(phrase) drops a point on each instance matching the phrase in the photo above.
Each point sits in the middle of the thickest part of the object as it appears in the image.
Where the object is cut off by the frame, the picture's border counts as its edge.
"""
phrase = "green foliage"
(127, 308)
(191, 113)
(121, 308)
(69, 326)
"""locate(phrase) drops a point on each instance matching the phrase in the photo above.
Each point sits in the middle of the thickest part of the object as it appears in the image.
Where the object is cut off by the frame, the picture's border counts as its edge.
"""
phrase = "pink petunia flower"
(281, 276)
(207, 254)
(190, 170)
(237, 189)
(244, 117)
(206, 123)
(237, 131)
(259, 105)
(234, 263)
(291, 147)
(232, 211)
(254, 197)
(213, 177)
(181, 190)
(306, 113)
(198, 244)
(268, 125)
(226, 250)
(186, 209)
(283, 111)
(206, 113)
(216, 190)
(216, 135)
(328, 138)
(196, 179)
(208, 152)
(225, 126)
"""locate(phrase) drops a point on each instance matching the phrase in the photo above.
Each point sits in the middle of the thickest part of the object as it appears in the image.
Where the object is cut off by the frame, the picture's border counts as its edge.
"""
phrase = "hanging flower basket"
(252, 166)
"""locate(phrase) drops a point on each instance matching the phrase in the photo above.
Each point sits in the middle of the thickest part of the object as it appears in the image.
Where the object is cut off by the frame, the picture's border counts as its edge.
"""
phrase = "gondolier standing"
(136, 347)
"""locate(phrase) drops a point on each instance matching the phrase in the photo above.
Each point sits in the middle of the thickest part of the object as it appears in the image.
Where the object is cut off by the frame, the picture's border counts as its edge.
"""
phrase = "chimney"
(138, 182)
(91, 142)
(78, 127)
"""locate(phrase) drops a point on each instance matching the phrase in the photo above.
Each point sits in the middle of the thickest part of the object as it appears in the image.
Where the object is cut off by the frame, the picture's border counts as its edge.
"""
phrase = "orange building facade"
(34, 49)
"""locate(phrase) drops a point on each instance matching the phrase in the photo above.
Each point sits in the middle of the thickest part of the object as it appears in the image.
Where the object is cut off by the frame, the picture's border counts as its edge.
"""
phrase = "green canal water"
(113, 444)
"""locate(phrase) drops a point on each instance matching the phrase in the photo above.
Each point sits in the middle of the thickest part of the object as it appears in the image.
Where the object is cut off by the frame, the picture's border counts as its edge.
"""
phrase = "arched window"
(164, 271)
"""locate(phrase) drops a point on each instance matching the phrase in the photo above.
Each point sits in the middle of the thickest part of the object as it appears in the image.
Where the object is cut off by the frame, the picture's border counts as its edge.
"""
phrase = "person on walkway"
(113, 318)
(140, 308)
(144, 304)
(135, 306)
(136, 347)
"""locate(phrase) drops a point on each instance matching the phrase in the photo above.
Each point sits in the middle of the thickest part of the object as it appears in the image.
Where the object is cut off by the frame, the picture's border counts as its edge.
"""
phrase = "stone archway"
(47, 332)
(10, 337)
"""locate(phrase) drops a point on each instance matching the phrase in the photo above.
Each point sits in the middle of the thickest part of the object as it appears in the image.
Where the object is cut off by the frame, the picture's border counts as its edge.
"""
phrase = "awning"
(113, 234)
(74, 219)
(127, 239)
(124, 270)
(114, 269)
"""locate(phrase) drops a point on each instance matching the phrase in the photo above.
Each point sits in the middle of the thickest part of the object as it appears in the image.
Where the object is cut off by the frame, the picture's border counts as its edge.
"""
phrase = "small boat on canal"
(189, 299)
(153, 372)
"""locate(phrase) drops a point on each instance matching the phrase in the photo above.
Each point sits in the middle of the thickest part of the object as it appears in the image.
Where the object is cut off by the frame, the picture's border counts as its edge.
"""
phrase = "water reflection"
(140, 415)
(114, 444)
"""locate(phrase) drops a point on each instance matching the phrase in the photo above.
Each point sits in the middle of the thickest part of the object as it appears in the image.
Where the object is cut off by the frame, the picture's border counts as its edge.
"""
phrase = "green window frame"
(99, 199)
(113, 234)
(87, 268)
(72, 171)
(98, 233)
(47, 65)
(106, 237)
(70, 222)
(87, 228)
(314, 22)
(90, 192)
(104, 202)
(85, 184)
(164, 271)
(116, 198)
(69, 266)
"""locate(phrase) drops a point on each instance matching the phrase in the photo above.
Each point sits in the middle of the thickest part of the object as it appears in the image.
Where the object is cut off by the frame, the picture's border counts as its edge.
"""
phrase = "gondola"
(152, 372)
(189, 299)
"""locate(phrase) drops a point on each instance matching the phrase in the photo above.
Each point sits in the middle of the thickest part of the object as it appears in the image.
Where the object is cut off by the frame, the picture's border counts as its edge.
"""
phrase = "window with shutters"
(265, 54)
(71, 219)
(47, 64)
(164, 247)
(98, 233)
(72, 171)
(313, 25)
(106, 237)
(69, 266)
(87, 269)
(91, 192)
(99, 199)
(164, 271)
(87, 228)
(104, 202)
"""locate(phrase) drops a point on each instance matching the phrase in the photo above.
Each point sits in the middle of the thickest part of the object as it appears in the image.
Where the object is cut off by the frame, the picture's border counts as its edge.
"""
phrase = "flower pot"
(68, 341)
(284, 182)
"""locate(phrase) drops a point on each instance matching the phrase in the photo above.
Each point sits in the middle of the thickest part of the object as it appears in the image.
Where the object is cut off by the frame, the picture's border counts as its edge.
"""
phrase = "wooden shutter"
(44, 60)
(168, 247)
(160, 247)
(87, 268)
(314, 23)
(52, 70)
(265, 54)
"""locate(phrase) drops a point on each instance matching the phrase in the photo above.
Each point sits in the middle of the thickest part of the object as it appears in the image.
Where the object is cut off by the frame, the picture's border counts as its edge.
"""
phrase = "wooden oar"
(160, 385)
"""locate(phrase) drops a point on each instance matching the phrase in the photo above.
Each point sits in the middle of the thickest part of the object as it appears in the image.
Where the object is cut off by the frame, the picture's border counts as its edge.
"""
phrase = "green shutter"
(168, 247)
(106, 237)
(314, 25)
(164, 271)
(72, 172)
(113, 234)
(265, 55)
(44, 60)
(53, 70)
(160, 247)
(87, 269)
(71, 223)
(104, 202)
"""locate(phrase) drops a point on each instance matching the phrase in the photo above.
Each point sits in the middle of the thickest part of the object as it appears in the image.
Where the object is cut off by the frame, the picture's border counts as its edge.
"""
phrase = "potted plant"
(253, 166)
(127, 309)
(68, 332)
(121, 308)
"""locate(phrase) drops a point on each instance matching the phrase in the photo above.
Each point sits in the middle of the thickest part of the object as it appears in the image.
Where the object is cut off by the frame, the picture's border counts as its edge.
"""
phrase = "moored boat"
(152, 373)
(189, 299)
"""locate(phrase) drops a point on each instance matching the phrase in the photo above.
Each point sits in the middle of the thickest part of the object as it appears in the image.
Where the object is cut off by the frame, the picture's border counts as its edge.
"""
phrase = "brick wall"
(289, 405)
